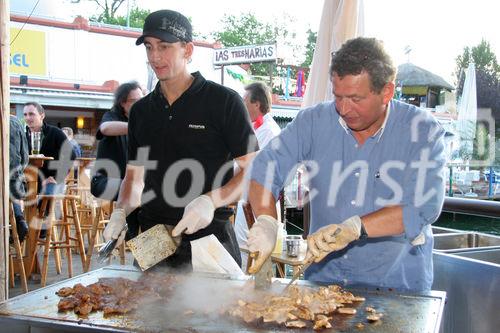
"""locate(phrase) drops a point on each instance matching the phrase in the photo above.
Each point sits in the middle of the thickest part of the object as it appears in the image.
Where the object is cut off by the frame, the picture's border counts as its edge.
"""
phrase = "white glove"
(197, 215)
(328, 239)
(114, 229)
(262, 238)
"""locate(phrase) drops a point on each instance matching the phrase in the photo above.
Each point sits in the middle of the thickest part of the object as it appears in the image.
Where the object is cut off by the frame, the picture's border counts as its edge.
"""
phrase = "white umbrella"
(467, 109)
(341, 20)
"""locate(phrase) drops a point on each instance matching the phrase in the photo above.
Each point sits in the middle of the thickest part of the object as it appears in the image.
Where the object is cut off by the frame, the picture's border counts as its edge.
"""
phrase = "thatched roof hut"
(420, 87)
(411, 75)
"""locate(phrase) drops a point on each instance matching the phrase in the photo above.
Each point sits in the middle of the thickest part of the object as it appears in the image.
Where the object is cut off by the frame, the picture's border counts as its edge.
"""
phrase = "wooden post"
(4, 152)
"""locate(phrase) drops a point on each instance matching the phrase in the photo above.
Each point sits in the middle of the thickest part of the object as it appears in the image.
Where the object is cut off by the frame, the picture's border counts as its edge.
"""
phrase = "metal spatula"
(302, 269)
(263, 277)
(307, 262)
(153, 245)
(106, 250)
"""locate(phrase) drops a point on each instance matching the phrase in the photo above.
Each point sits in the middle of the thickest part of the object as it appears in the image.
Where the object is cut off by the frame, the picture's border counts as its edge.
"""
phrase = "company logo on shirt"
(198, 127)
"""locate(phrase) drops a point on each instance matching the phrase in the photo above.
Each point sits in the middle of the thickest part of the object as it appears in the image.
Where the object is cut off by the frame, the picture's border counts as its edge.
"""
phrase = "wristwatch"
(362, 233)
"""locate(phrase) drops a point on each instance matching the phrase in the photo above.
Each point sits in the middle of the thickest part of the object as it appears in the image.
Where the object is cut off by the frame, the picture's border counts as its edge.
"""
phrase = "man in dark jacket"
(18, 150)
(53, 144)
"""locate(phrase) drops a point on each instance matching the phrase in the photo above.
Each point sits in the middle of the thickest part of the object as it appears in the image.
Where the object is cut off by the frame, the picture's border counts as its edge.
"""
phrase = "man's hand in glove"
(114, 229)
(262, 239)
(197, 215)
(333, 237)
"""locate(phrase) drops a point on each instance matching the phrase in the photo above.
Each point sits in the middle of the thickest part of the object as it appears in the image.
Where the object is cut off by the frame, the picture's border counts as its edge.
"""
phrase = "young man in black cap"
(192, 130)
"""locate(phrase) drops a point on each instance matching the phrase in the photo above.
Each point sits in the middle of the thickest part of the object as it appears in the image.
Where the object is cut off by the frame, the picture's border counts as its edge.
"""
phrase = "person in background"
(112, 147)
(258, 101)
(54, 143)
(77, 150)
(18, 152)
(185, 122)
(376, 169)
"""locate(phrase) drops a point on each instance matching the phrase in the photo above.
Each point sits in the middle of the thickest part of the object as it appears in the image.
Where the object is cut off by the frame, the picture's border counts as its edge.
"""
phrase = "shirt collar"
(258, 122)
(195, 86)
(380, 130)
(267, 116)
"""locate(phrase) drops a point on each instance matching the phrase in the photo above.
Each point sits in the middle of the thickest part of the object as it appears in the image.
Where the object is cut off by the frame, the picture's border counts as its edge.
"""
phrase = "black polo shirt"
(205, 128)
(113, 148)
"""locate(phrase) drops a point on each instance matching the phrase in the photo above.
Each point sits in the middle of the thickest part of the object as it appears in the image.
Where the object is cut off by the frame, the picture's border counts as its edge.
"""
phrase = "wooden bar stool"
(96, 230)
(59, 235)
(96, 241)
(86, 208)
(16, 256)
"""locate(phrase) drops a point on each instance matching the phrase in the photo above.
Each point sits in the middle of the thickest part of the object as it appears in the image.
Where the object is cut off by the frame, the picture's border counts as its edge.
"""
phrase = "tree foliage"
(108, 9)
(487, 75)
(482, 56)
(246, 29)
(136, 18)
(243, 30)
(487, 82)
(108, 13)
(310, 46)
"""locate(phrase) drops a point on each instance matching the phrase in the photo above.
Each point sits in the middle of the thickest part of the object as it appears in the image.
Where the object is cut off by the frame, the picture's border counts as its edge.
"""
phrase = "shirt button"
(355, 145)
(353, 202)
(357, 174)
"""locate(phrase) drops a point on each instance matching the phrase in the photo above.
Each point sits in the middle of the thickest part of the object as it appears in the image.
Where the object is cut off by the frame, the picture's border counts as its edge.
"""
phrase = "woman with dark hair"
(111, 159)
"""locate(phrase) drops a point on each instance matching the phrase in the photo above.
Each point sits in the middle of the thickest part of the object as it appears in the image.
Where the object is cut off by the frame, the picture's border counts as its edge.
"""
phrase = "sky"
(435, 30)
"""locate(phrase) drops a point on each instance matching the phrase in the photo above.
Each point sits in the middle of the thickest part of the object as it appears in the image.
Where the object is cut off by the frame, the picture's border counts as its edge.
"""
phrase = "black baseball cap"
(168, 25)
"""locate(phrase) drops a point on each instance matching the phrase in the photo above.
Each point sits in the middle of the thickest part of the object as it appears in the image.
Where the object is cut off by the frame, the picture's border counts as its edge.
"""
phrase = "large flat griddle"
(38, 309)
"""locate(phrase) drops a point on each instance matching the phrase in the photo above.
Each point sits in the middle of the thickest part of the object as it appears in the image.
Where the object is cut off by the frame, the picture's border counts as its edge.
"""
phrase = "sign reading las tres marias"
(245, 54)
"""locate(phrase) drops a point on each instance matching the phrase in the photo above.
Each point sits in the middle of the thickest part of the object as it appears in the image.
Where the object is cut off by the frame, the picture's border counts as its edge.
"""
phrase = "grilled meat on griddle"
(299, 307)
(114, 295)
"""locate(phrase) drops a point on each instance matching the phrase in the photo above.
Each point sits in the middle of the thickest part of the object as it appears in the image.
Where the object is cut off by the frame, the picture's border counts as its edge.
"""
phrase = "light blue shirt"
(402, 164)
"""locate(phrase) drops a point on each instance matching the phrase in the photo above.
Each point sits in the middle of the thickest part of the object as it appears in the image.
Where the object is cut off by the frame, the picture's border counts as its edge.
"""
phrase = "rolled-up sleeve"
(280, 158)
(424, 187)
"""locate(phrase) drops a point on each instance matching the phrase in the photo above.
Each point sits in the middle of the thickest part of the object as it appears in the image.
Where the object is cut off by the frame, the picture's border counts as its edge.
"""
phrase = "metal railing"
(472, 181)
(485, 208)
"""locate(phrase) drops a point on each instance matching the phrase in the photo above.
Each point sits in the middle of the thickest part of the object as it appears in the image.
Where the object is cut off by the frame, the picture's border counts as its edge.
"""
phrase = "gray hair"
(259, 92)
(67, 130)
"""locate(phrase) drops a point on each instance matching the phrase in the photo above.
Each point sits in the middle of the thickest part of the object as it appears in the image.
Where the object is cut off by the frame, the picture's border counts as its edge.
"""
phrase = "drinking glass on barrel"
(35, 143)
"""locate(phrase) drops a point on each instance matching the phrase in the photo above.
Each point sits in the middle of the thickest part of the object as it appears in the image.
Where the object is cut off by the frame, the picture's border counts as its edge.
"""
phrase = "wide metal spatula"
(307, 262)
(302, 269)
(263, 277)
(153, 245)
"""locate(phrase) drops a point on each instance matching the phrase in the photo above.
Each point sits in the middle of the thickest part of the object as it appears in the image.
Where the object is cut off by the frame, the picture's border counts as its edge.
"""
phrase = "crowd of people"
(183, 153)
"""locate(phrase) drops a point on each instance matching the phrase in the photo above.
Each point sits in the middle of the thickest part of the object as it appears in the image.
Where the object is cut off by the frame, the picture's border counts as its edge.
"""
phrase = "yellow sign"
(27, 53)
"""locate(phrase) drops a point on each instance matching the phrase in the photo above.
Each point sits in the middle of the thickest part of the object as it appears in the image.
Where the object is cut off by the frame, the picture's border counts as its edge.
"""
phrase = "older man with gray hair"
(258, 101)
(376, 178)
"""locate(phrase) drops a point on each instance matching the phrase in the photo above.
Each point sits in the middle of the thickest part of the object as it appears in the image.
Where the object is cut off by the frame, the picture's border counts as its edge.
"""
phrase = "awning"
(65, 98)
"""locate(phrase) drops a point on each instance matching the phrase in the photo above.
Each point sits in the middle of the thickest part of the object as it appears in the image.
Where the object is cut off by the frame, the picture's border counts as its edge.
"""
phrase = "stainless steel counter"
(37, 311)
(471, 280)
(456, 242)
